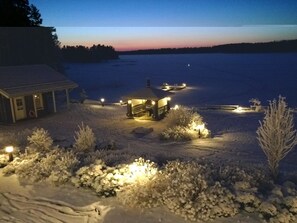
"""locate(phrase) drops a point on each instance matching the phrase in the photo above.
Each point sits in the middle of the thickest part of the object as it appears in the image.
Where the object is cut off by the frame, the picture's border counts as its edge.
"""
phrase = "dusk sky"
(143, 24)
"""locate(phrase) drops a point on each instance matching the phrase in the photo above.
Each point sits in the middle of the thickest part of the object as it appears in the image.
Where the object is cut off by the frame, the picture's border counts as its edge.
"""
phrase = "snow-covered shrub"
(40, 140)
(192, 195)
(108, 180)
(16, 139)
(185, 189)
(256, 104)
(291, 203)
(178, 133)
(143, 195)
(184, 124)
(55, 166)
(85, 139)
(64, 165)
(182, 117)
(276, 135)
(267, 209)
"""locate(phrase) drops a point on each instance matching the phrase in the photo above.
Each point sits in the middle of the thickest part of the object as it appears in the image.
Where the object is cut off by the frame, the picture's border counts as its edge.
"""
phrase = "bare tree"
(276, 135)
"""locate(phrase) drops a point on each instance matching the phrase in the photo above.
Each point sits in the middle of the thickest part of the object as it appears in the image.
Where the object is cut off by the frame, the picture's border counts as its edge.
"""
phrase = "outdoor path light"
(9, 150)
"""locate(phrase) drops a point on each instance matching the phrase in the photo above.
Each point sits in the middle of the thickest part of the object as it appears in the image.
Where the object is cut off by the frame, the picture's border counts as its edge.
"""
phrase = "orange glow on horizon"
(141, 45)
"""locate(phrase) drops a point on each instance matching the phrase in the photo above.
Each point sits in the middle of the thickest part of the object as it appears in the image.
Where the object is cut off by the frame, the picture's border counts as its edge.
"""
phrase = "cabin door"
(20, 109)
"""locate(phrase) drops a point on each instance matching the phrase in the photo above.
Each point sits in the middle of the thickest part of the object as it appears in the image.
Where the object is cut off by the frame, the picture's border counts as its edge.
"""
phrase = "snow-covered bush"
(16, 139)
(267, 209)
(256, 104)
(55, 166)
(106, 181)
(276, 135)
(178, 133)
(40, 140)
(185, 189)
(85, 139)
(183, 117)
(184, 124)
(192, 195)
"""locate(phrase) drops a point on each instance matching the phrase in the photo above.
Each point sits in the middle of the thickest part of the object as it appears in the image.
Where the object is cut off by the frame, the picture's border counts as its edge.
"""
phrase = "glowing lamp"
(121, 101)
(199, 128)
(129, 102)
(184, 84)
(9, 150)
(239, 110)
(102, 100)
(175, 107)
(153, 102)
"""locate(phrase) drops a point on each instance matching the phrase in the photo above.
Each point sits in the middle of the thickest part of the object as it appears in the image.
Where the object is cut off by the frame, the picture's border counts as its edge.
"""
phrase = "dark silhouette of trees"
(22, 39)
(82, 54)
(285, 46)
(18, 13)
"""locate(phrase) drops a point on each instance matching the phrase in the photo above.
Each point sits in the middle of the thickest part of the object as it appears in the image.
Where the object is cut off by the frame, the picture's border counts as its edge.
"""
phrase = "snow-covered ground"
(220, 80)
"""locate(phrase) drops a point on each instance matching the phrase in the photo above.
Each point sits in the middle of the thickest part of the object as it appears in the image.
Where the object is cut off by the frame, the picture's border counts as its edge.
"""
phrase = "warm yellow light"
(102, 99)
(9, 149)
(176, 107)
(168, 98)
(184, 84)
(199, 127)
(153, 102)
(129, 101)
(239, 110)
(140, 171)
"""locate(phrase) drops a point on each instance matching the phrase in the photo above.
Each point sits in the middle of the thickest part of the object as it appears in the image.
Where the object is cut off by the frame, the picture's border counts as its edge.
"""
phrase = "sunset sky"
(144, 24)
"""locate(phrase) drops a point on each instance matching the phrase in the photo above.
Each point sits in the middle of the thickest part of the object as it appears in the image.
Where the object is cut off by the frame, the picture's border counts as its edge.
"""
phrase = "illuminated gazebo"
(150, 102)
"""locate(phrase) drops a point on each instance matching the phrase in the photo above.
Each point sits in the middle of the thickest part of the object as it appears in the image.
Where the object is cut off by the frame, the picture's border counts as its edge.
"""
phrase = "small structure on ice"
(148, 101)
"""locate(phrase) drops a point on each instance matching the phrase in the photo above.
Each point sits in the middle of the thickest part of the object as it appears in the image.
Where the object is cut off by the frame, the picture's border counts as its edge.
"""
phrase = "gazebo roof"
(148, 93)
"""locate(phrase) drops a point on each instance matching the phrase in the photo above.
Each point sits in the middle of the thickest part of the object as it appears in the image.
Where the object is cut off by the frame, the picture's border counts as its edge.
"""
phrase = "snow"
(212, 80)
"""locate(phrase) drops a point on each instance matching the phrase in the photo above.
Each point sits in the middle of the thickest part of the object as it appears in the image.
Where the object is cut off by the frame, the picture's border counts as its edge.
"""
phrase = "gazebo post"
(168, 105)
(155, 110)
(129, 109)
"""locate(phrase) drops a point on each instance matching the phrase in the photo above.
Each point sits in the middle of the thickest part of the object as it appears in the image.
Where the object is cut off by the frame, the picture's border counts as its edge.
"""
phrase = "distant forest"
(285, 46)
(83, 54)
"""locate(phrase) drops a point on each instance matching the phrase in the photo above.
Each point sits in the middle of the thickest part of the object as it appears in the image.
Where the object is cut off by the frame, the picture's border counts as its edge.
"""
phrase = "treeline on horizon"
(284, 46)
(82, 54)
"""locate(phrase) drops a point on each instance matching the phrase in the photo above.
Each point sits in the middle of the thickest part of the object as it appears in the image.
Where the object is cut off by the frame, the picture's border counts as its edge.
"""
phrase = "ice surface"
(212, 78)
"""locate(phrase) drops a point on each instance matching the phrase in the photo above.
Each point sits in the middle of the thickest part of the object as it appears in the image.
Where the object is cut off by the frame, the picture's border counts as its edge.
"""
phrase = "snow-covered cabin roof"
(148, 93)
(29, 79)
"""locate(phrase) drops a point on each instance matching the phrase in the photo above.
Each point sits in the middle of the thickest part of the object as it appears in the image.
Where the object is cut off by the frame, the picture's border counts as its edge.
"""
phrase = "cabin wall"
(29, 105)
(5, 110)
(48, 106)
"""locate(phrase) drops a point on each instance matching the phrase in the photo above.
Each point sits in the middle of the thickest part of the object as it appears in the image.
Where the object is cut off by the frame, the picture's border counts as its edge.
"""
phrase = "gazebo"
(148, 101)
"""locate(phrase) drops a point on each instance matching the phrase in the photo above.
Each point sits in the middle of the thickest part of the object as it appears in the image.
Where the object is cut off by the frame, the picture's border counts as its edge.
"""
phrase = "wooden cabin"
(150, 102)
(30, 91)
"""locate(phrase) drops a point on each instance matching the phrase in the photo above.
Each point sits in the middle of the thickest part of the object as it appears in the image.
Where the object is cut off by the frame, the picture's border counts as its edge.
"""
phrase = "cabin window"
(38, 101)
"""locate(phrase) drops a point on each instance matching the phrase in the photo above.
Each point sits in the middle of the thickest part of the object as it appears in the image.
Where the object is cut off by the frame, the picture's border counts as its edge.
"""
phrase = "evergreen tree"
(22, 39)
(18, 13)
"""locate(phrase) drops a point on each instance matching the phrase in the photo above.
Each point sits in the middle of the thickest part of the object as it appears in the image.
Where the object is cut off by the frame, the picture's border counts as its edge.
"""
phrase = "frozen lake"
(212, 78)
